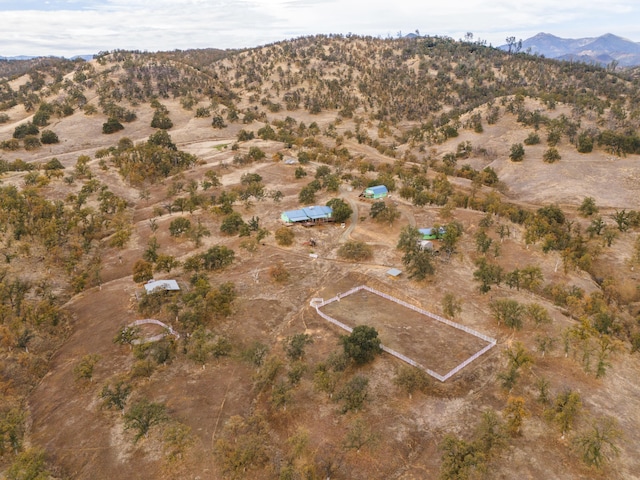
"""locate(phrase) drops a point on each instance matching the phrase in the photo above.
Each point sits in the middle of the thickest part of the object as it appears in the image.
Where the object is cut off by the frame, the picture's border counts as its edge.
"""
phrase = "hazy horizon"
(83, 27)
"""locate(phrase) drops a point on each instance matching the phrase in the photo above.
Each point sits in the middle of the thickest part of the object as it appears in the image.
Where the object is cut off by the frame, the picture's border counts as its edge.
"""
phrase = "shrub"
(10, 145)
(307, 195)
(304, 158)
(588, 207)
(355, 250)
(84, 369)
(508, 312)
(162, 139)
(284, 236)
(411, 379)
(553, 137)
(25, 129)
(142, 416)
(295, 345)
(142, 271)
(532, 139)
(383, 212)
(451, 305)
(161, 120)
(353, 394)
(517, 152)
(217, 258)
(256, 154)
(41, 117)
(19, 165)
(48, 137)
(341, 210)
(584, 144)
(279, 273)
(362, 345)
(112, 125)
(267, 133)
(244, 135)
(551, 155)
(32, 143)
(28, 464)
(53, 164)
(142, 369)
(179, 226)
(202, 112)
(231, 223)
(89, 109)
(218, 122)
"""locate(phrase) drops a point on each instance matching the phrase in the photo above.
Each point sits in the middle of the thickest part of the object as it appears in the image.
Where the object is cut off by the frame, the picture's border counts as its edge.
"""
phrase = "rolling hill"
(178, 165)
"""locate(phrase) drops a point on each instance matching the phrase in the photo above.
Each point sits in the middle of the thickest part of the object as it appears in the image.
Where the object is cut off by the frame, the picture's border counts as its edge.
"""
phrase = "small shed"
(394, 272)
(426, 245)
(431, 233)
(167, 285)
(379, 191)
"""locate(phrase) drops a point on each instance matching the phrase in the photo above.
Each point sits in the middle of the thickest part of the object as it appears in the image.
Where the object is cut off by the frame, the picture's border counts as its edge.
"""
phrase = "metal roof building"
(170, 285)
(307, 214)
(394, 272)
(379, 191)
(431, 233)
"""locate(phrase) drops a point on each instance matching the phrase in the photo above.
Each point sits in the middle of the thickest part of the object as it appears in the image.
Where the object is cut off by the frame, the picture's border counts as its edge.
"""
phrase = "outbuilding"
(394, 272)
(425, 245)
(432, 233)
(377, 192)
(167, 285)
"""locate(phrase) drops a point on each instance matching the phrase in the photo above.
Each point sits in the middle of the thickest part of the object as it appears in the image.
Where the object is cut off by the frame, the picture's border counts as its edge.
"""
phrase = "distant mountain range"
(601, 50)
(27, 57)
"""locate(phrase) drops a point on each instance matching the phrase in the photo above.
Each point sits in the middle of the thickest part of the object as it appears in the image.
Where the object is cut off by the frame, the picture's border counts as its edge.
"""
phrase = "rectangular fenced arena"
(438, 346)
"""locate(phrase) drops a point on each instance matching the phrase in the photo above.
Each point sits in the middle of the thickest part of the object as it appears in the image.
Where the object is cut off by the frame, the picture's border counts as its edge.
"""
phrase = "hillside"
(178, 165)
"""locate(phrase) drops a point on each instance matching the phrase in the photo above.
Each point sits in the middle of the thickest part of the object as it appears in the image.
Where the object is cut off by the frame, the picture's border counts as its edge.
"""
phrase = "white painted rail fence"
(155, 338)
(318, 303)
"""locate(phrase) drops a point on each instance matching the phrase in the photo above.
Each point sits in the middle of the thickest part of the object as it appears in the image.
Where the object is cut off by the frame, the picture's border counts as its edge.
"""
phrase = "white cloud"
(69, 27)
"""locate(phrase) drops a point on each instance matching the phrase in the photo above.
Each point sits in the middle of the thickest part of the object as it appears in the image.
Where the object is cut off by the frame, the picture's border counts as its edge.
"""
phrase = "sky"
(80, 27)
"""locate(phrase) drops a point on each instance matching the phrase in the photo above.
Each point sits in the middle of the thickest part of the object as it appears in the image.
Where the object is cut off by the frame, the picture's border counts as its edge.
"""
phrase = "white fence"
(168, 331)
(318, 303)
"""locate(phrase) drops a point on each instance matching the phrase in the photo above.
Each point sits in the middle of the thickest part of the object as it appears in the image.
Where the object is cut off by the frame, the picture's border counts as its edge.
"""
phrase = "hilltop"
(177, 166)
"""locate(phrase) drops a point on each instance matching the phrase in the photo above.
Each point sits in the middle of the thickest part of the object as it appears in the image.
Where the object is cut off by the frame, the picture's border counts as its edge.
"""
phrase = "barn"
(377, 192)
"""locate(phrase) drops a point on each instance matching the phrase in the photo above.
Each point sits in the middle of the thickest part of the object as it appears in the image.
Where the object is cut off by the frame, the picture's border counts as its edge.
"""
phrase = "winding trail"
(346, 235)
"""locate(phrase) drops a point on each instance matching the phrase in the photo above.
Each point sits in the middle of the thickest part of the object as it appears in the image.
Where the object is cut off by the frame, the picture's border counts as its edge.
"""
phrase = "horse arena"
(438, 346)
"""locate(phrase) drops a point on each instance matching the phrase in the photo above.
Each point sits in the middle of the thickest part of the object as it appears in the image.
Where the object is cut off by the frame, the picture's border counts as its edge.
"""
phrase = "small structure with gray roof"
(167, 285)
